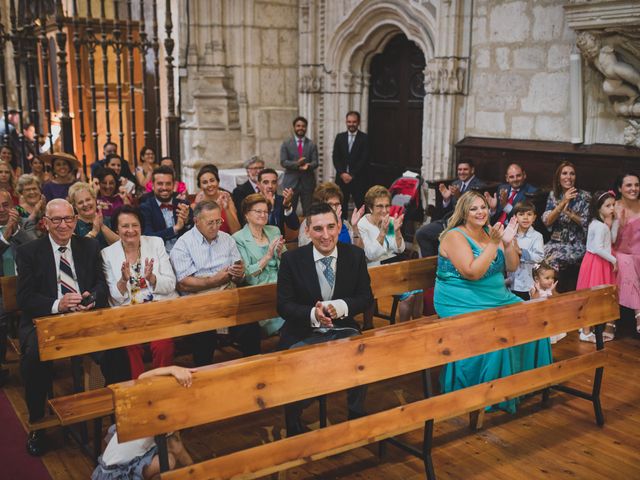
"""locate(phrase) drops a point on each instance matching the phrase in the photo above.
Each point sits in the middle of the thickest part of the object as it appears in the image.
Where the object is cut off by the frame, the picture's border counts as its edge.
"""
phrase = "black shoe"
(36, 443)
(4, 376)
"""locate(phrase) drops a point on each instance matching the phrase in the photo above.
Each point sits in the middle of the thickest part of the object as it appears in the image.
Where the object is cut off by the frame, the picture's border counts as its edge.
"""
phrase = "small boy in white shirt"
(530, 248)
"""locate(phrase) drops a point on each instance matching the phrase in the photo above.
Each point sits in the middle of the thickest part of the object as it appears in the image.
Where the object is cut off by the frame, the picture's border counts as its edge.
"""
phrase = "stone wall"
(519, 85)
(239, 87)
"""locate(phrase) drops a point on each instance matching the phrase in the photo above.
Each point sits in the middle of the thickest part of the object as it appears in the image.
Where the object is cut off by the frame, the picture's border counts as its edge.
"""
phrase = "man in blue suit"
(282, 212)
(509, 194)
(164, 214)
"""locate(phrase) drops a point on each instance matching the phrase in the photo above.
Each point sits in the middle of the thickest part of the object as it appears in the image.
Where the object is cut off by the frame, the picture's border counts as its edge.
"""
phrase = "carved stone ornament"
(446, 75)
(608, 36)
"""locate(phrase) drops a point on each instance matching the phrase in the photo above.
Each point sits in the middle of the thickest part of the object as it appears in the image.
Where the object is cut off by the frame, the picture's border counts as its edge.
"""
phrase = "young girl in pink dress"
(627, 245)
(599, 265)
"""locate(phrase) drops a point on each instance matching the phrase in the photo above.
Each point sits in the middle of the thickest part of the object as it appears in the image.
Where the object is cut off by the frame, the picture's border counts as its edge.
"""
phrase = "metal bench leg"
(322, 410)
(427, 445)
(597, 381)
(163, 452)
(97, 437)
(394, 309)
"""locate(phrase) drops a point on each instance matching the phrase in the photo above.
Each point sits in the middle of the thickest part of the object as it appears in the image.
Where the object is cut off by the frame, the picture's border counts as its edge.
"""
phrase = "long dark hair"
(557, 188)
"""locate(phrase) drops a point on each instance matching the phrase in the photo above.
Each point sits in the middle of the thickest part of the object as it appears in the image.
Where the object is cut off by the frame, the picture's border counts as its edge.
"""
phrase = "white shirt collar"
(55, 246)
(318, 256)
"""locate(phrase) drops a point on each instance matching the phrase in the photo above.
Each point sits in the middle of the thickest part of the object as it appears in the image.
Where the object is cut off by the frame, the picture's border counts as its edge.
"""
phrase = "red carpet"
(15, 462)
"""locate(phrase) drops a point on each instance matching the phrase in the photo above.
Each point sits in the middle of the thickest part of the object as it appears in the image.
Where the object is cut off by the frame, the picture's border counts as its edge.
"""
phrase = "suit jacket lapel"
(313, 284)
(49, 264)
(78, 261)
(342, 272)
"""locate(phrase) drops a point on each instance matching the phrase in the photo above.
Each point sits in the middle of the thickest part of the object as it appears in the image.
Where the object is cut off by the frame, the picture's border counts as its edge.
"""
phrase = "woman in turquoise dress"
(470, 277)
(261, 247)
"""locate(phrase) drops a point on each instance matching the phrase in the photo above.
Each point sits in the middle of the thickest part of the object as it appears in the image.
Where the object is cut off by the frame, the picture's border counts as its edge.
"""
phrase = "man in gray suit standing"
(299, 157)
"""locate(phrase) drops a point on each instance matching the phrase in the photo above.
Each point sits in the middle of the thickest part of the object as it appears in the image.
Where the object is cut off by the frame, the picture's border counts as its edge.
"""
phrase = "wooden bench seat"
(83, 406)
(155, 406)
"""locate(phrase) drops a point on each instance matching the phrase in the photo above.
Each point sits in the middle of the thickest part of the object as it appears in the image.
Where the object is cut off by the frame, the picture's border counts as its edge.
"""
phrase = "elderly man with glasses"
(58, 273)
(253, 166)
(206, 259)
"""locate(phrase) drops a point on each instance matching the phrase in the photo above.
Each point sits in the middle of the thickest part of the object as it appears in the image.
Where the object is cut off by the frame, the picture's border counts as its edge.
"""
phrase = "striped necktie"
(329, 274)
(66, 278)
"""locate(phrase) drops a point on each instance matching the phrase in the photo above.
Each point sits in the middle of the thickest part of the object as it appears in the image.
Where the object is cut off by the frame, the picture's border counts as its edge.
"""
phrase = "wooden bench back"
(9, 286)
(62, 336)
(157, 405)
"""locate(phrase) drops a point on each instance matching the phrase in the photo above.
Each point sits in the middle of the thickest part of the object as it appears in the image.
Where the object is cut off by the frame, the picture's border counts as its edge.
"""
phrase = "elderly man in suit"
(509, 194)
(321, 287)
(15, 231)
(253, 167)
(428, 234)
(351, 159)
(299, 157)
(58, 273)
(164, 214)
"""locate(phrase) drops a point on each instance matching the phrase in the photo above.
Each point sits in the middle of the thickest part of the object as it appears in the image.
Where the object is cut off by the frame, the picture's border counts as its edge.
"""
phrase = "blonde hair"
(77, 188)
(12, 177)
(27, 179)
(461, 212)
(374, 192)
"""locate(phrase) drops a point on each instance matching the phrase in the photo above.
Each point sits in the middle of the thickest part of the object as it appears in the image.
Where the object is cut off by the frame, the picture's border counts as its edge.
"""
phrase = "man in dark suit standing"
(351, 159)
(253, 166)
(165, 215)
(55, 274)
(321, 287)
(281, 211)
(299, 157)
(509, 194)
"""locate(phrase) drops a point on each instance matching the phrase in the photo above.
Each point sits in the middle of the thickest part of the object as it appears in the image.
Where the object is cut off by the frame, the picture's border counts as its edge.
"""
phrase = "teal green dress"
(455, 295)
(251, 254)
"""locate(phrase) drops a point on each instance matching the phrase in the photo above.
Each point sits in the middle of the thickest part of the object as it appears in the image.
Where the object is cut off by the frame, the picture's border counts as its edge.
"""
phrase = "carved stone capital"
(446, 75)
(311, 80)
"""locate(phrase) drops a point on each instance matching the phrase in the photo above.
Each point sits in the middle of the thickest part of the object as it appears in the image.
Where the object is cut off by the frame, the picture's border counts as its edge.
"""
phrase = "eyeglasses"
(59, 220)
(260, 212)
(334, 205)
(381, 206)
(215, 223)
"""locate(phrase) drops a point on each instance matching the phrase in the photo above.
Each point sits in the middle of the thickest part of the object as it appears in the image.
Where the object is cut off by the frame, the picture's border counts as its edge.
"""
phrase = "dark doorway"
(395, 110)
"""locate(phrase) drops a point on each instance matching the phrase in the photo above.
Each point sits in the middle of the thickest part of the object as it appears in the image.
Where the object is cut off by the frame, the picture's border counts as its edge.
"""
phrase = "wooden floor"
(559, 442)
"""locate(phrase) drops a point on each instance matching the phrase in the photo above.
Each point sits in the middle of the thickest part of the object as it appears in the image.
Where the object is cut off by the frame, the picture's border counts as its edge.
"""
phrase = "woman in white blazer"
(138, 270)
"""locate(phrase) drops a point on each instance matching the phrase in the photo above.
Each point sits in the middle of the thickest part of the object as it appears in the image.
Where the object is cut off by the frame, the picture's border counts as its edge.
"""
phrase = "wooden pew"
(155, 406)
(61, 336)
(9, 286)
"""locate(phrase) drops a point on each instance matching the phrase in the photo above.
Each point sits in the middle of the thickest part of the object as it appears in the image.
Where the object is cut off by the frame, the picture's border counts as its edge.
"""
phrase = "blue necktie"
(329, 274)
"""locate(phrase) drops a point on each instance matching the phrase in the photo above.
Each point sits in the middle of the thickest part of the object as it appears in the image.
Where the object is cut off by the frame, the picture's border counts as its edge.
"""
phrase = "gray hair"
(205, 205)
(27, 179)
(253, 160)
(58, 202)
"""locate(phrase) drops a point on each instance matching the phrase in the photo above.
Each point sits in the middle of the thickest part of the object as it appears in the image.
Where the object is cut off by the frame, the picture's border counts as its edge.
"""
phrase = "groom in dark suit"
(321, 287)
(351, 159)
(55, 274)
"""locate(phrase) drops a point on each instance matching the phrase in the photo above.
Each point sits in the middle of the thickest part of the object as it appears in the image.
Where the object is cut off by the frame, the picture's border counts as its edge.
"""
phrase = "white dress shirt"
(326, 290)
(56, 261)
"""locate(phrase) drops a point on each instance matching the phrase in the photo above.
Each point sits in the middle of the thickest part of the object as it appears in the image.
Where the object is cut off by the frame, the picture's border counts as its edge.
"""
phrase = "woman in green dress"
(260, 246)
(470, 277)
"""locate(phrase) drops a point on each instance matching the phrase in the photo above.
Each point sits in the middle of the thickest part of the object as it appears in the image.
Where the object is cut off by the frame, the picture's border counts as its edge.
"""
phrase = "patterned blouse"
(567, 244)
